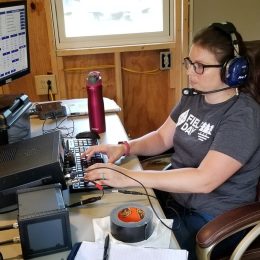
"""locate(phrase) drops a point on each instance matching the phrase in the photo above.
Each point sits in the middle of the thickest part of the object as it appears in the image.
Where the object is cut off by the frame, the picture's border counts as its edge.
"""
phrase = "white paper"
(94, 251)
(75, 107)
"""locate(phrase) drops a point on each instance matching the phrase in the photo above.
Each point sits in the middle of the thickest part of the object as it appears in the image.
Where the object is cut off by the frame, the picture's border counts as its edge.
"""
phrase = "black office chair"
(158, 162)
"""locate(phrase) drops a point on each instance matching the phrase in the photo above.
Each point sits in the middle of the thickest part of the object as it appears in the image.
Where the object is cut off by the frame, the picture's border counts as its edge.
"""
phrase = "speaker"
(234, 71)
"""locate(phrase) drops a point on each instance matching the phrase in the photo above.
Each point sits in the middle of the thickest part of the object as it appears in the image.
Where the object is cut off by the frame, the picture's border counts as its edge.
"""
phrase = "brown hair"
(220, 44)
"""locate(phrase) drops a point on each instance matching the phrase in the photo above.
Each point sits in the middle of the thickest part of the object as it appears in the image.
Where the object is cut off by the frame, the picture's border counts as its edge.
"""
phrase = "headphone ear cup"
(235, 72)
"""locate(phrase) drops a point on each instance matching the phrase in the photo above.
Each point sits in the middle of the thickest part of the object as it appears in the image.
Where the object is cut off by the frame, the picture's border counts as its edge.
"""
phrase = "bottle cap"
(93, 77)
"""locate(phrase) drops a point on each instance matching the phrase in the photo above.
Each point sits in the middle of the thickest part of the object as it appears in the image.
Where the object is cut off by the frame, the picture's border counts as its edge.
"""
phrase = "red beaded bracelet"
(127, 147)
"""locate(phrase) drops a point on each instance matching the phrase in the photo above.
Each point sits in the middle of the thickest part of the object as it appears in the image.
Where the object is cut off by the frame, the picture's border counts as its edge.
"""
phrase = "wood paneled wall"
(146, 98)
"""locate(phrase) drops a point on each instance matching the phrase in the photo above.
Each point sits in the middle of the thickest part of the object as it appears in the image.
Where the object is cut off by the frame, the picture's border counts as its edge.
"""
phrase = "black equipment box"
(32, 162)
(14, 118)
(43, 221)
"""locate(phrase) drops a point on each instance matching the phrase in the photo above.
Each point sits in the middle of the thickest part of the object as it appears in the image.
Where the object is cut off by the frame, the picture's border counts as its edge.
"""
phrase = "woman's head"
(223, 40)
(217, 39)
(225, 43)
(203, 69)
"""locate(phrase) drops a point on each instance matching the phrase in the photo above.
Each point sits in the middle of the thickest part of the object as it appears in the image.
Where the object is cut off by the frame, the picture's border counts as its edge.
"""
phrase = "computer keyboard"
(74, 166)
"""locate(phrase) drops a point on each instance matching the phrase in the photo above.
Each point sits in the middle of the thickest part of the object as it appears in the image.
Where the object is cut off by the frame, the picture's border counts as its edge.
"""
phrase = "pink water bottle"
(96, 109)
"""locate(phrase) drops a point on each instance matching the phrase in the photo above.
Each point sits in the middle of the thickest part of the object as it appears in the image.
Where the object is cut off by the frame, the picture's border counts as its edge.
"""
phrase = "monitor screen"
(14, 44)
(46, 234)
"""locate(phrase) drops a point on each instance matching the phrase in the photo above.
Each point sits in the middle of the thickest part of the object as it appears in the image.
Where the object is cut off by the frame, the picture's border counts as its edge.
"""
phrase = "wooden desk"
(81, 217)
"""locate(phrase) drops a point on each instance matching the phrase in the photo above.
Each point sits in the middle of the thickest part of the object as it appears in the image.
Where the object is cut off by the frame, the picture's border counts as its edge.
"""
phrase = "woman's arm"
(153, 143)
(214, 170)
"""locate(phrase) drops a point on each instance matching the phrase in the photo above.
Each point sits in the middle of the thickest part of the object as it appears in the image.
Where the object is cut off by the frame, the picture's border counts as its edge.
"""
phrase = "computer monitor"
(14, 43)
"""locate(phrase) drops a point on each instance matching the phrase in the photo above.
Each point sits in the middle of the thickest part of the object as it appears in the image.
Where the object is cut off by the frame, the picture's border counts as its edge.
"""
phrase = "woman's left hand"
(109, 174)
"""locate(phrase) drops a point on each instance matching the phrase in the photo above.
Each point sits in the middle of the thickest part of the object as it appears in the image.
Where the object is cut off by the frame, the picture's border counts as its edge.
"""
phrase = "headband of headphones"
(235, 71)
(231, 30)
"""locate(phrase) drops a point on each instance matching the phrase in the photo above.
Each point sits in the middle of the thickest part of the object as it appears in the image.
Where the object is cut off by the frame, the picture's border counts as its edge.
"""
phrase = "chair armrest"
(228, 223)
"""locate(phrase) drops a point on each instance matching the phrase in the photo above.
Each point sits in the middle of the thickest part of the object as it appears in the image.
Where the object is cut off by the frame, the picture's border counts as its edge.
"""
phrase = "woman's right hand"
(113, 151)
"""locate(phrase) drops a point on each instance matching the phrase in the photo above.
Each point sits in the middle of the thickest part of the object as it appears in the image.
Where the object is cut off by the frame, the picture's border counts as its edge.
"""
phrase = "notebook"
(94, 251)
(78, 107)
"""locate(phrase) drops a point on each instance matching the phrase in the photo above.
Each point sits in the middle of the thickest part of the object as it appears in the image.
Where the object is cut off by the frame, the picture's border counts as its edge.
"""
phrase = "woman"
(215, 134)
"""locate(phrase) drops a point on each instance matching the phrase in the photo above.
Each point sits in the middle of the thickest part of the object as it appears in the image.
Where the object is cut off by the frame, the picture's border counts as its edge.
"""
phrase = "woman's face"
(210, 79)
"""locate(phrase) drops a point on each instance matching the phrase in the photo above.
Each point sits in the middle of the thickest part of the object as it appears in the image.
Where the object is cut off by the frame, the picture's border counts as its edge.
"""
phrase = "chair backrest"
(258, 191)
(253, 49)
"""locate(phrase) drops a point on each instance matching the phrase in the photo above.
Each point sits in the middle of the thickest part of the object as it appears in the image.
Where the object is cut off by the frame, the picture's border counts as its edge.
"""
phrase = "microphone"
(194, 92)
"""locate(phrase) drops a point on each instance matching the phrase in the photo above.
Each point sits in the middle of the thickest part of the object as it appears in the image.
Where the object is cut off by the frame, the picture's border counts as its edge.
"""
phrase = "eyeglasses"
(198, 67)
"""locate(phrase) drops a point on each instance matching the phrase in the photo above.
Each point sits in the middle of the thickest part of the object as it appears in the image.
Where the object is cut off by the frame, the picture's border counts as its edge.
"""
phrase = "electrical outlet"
(165, 60)
(42, 84)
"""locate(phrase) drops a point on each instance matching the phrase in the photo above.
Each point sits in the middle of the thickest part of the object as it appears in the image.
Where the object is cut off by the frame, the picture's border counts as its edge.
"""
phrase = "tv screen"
(14, 44)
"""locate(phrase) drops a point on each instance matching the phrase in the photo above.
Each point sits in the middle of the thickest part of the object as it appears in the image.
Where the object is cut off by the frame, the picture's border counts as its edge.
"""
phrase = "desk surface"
(81, 217)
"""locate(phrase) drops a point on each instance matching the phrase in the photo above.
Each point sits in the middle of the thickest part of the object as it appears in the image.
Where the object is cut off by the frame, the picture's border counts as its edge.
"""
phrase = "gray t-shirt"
(231, 127)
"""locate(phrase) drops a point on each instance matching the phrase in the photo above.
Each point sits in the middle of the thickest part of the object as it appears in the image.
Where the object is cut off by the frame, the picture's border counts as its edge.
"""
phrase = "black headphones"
(235, 71)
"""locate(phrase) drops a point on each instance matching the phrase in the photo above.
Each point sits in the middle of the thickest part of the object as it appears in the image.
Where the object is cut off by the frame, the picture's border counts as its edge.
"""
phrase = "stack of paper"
(94, 251)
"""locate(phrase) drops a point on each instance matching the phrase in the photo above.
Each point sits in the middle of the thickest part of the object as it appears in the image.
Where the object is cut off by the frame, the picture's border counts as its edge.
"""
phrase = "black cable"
(8, 211)
(89, 200)
(175, 212)
(49, 90)
(134, 193)
(58, 126)
(48, 93)
(10, 241)
(146, 193)
(84, 202)
(7, 227)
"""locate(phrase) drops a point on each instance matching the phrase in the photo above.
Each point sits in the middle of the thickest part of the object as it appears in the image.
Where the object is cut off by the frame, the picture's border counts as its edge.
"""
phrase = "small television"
(14, 43)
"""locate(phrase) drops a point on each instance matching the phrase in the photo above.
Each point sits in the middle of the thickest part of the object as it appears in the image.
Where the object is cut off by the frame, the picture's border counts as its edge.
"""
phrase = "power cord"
(100, 187)
(84, 202)
(50, 95)
(8, 211)
(66, 131)
(146, 193)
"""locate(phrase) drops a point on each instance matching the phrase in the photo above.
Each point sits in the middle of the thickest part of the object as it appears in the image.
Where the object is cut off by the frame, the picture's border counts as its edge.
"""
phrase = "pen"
(106, 247)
